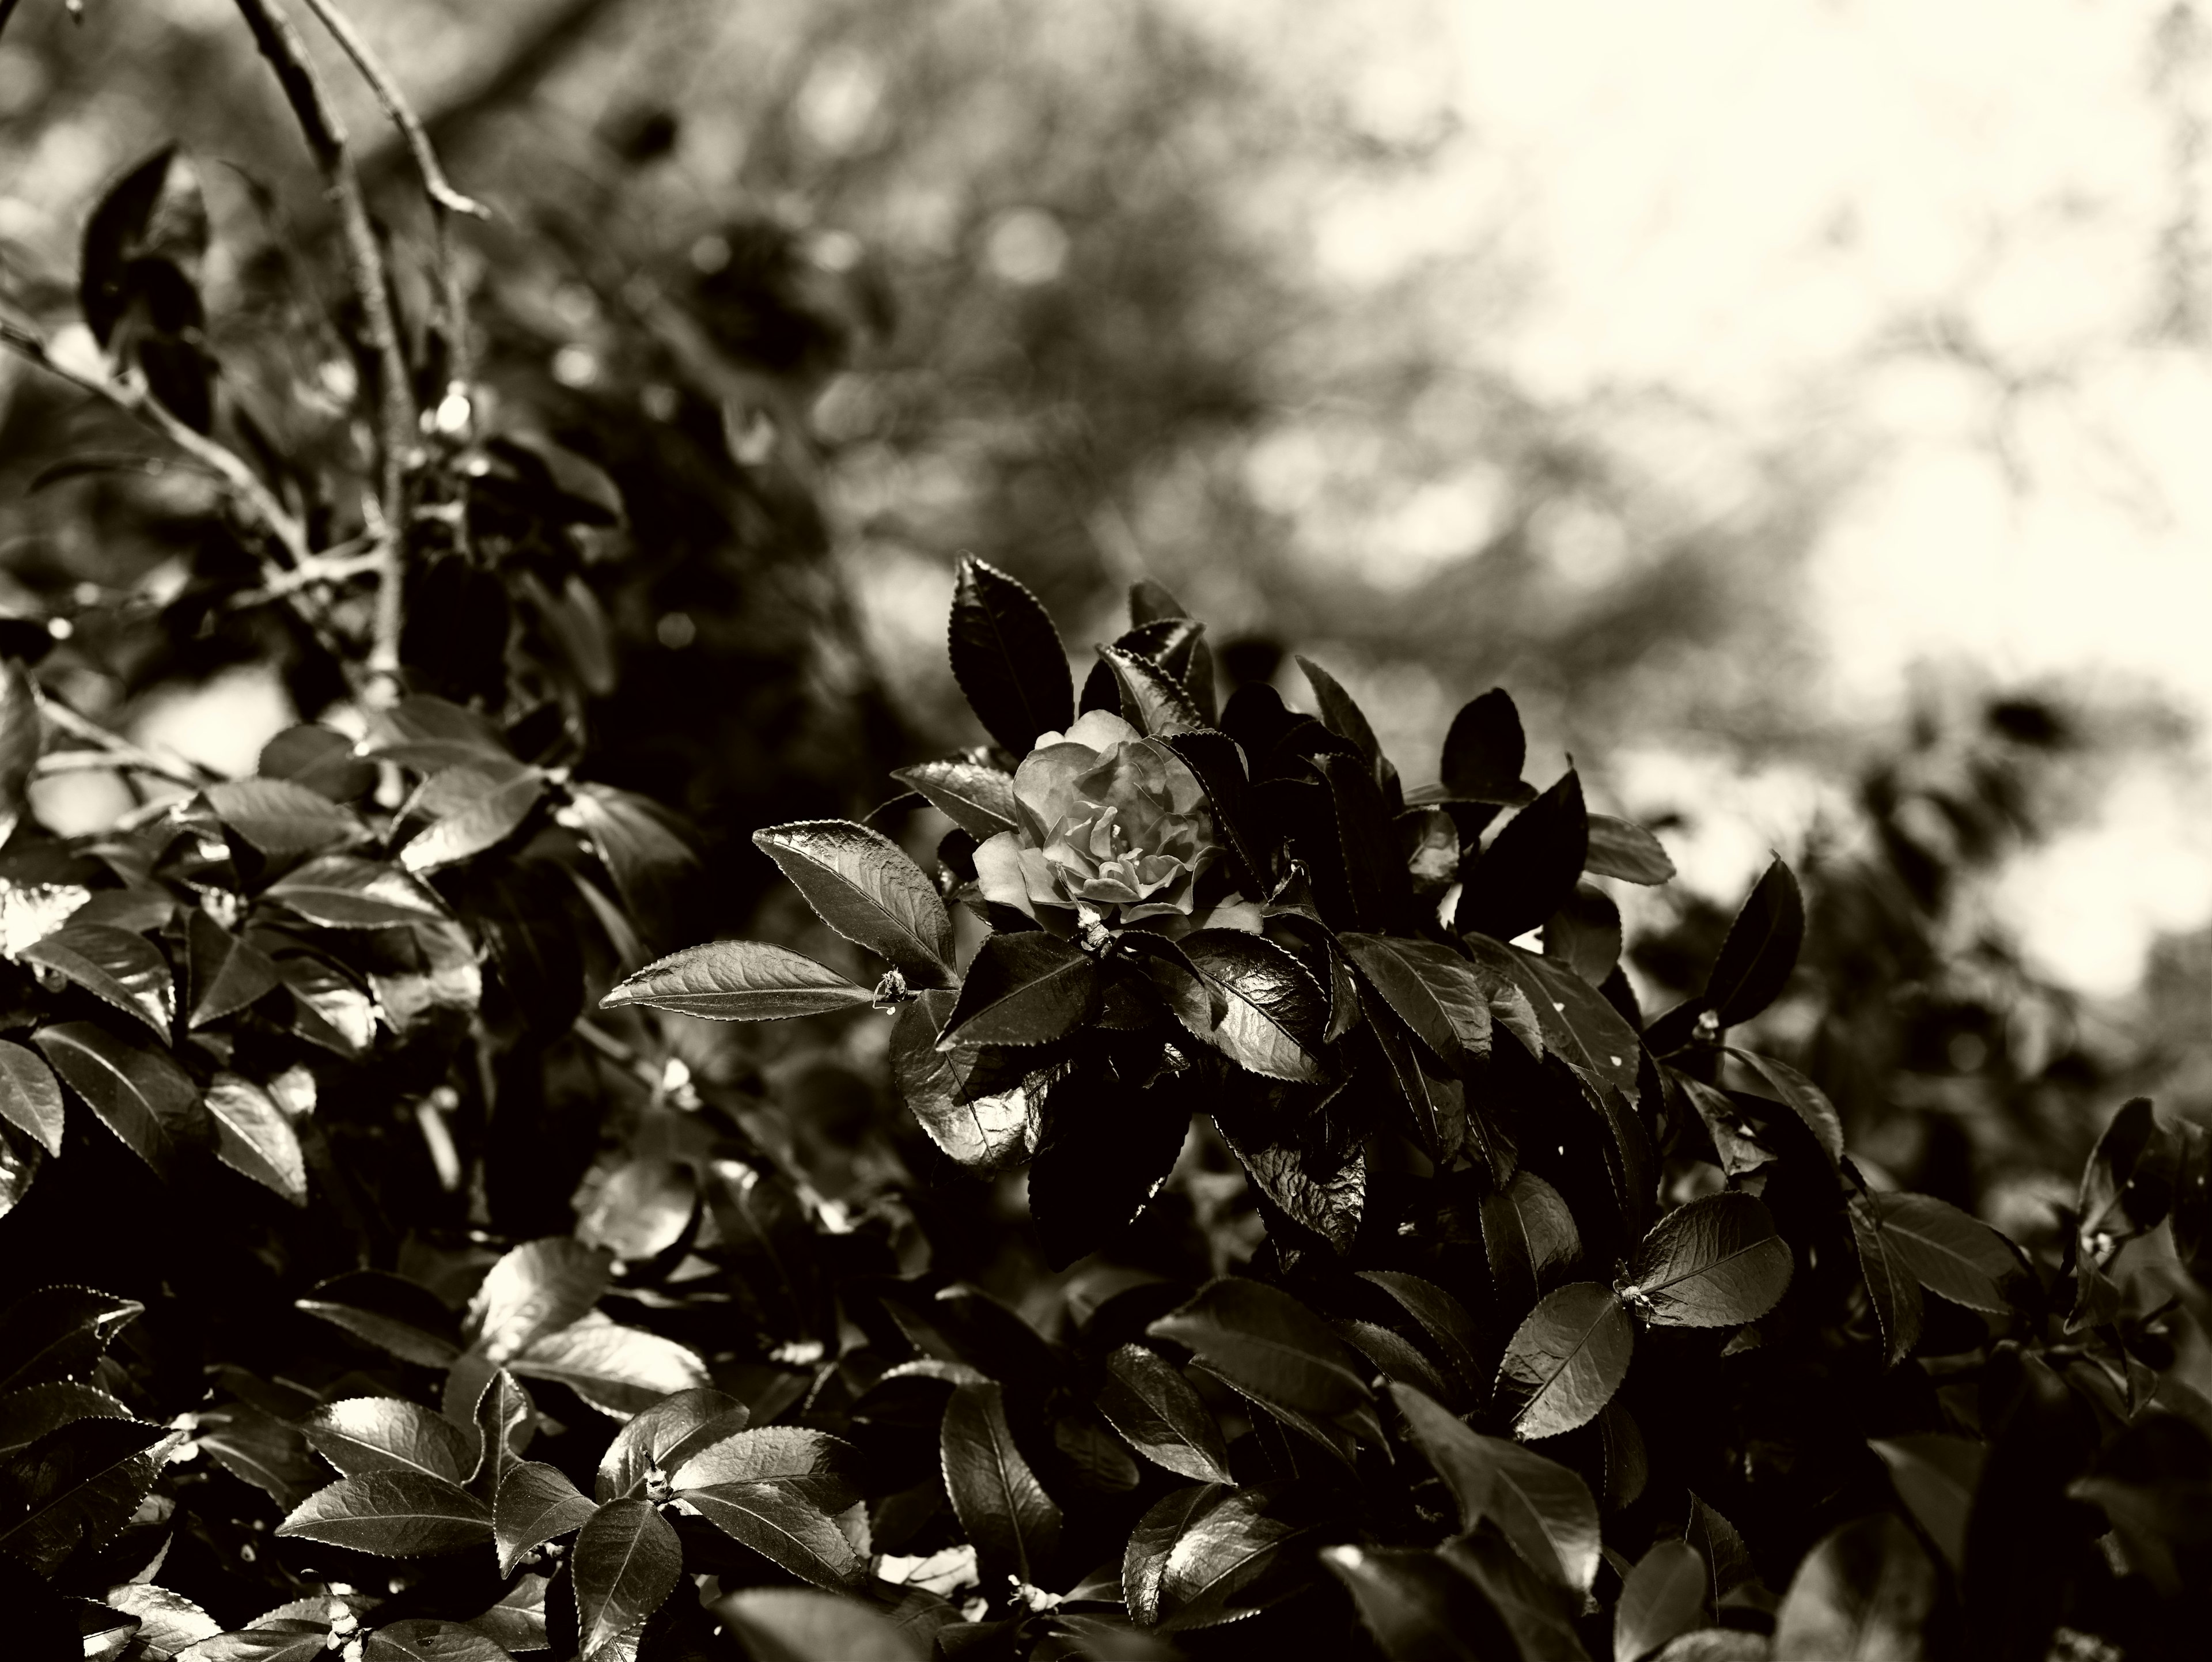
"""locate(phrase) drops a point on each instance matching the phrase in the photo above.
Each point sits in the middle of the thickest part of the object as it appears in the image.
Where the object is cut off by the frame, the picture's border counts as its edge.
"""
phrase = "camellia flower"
(1111, 820)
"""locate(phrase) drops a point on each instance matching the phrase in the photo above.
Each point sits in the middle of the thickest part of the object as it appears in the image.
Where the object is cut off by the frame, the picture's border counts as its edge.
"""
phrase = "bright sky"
(1920, 244)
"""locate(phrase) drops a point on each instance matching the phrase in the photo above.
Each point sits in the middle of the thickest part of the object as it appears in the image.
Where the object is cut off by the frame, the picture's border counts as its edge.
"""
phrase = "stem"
(435, 182)
(287, 53)
(226, 464)
(116, 752)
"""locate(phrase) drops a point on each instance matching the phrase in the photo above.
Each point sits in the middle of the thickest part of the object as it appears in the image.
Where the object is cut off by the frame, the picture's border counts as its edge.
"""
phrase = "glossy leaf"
(1023, 990)
(341, 892)
(1443, 1321)
(862, 885)
(124, 970)
(618, 1369)
(1892, 1287)
(389, 1312)
(498, 1433)
(1007, 658)
(73, 1488)
(740, 981)
(1936, 1475)
(318, 758)
(798, 1624)
(1952, 1253)
(1149, 698)
(777, 1489)
(140, 1095)
(1728, 1559)
(2127, 1185)
(1530, 867)
(1804, 1098)
(30, 1099)
(361, 1434)
(1275, 1012)
(666, 1435)
(1663, 1596)
(29, 1414)
(1530, 1235)
(253, 1137)
(1269, 1344)
(259, 1448)
(282, 818)
(58, 1333)
(1435, 1102)
(971, 1103)
(470, 808)
(1539, 1613)
(1627, 851)
(627, 1561)
(1544, 1509)
(1249, 1549)
(427, 1639)
(226, 973)
(534, 1289)
(1865, 1590)
(168, 1622)
(976, 796)
(1431, 989)
(807, 1461)
(1164, 1420)
(1420, 1608)
(1565, 1360)
(1001, 1504)
(394, 1514)
(1145, 1558)
(1714, 1262)
(1761, 950)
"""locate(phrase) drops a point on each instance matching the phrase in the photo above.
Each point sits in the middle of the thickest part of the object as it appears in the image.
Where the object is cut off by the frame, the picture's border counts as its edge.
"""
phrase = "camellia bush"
(1272, 1228)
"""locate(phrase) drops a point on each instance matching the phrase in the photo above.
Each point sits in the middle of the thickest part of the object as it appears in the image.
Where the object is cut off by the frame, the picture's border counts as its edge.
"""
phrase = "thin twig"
(435, 182)
(287, 53)
(225, 463)
(120, 752)
(332, 565)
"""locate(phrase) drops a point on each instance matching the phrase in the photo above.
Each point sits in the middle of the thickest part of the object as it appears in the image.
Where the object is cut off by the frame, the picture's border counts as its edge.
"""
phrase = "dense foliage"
(1367, 1273)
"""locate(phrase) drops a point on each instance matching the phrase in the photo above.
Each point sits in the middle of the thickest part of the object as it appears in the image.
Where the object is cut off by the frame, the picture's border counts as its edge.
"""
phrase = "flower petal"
(1000, 871)
(1099, 729)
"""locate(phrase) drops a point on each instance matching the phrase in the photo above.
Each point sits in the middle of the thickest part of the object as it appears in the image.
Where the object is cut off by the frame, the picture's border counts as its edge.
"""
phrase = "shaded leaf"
(1528, 1234)
(1144, 1559)
(1106, 1150)
(394, 1514)
(1761, 950)
(1663, 1596)
(1952, 1253)
(1892, 1287)
(1149, 698)
(426, 1639)
(1714, 1263)
(1935, 1477)
(282, 818)
(1728, 1559)
(1007, 658)
(22, 735)
(1539, 1612)
(740, 981)
(19, 1160)
(1565, 1360)
(1001, 1504)
(226, 972)
(1530, 867)
(318, 758)
(1444, 1320)
(1804, 1098)
(75, 1486)
(259, 1448)
(1420, 1608)
(389, 1312)
(1275, 1012)
(142, 1096)
(1164, 1420)
(1245, 1550)
(253, 1137)
(1544, 1509)
(1585, 934)
(471, 807)
(2127, 1185)
(124, 970)
(1268, 1343)
(861, 884)
(1430, 987)
(58, 1333)
(1864, 1591)
(29, 1414)
(1024, 990)
(341, 892)
(1484, 751)
(971, 1103)
(361, 1434)
(798, 1624)
(1619, 849)
(29, 1099)
(627, 1561)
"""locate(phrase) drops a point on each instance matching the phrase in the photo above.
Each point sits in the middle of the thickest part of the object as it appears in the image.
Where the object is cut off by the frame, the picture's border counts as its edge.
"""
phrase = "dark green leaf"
(1530, 867)
(740, 981)
(1363, 880)
(1420, 1608)
(1484, 751)
(29, 1414)
(22, 735)
(29, 1098)
(1023, 990)
(1663, 1596)
(58, 1333)
(1728, 1559)
(1619, 848)
(1805, 1100)
(1935, 1477)
(806, 1462)
(1242, 1553)
(1528, 1234)
(1330, 1202)
(500, 1431)
(1714, 1262)
(361, 1434)
(259, 1448)
(862, 885)
(125, 970)
(469, 808)
(1154, 1407)
(329, 1006)
(75, 1486)
(626, 1563)
(1106, 1149)
(1430, 987)
(1435, 1102)
(1892, 1287)
(320, 758)
(1269, 1344)
(389, 1312)
(1734, 1140)
(1565, 1360)
(394, 1514)
(253, 1137)
(618, 1369)
(776, 1489)
(1218, 765)
(142, 1096)
(1444, 1320)
(282, 818)
(1151, 701)
(19, 1160)
(1585, 934)
(1338, 713)
(341, 892)
(1539, 1613)
(1543, 1508)
(643, 851)
(2127, 1186)
(1001, 1504)
(971, 1103)
(1865, 1590)
(1275, 1012)
(147, 209)
(1761, 950)
(286, 1640)
(666, 1435)
(1007, 658)
(227, 974)
(798, 1624)
(1954, 1254)
(427, 1639)
(427, 733)
(976, 796)
(517, 1621)
(1145, 1560)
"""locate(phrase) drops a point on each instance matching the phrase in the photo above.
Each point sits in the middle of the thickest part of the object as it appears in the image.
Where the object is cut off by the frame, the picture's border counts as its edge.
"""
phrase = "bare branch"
(435, 182)
(114, 751)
